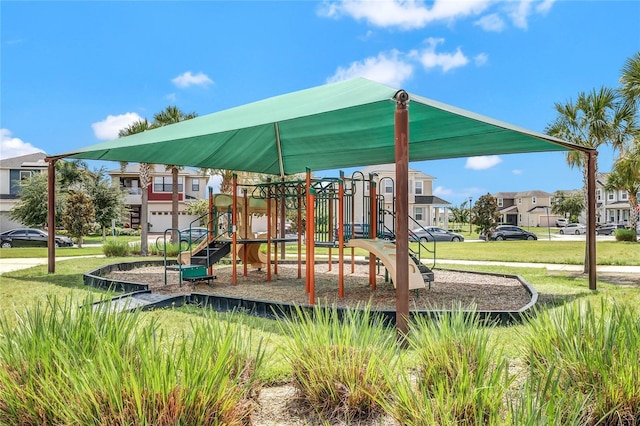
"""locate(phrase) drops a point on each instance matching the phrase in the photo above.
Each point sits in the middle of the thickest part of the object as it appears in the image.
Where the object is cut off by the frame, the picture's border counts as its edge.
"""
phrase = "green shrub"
(339, 364)
(116, 249)
(68, 365)
(172, 250)
(596, 354)
(625, 235)
(460, 378)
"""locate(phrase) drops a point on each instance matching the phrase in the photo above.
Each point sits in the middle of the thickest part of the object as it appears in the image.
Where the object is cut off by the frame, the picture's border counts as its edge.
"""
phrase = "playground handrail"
(421, 245)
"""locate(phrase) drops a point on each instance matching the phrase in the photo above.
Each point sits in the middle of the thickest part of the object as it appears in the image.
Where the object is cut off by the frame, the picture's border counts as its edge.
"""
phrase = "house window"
(519, 200)
(388, 186)
(163, 184)
(195, 185)
(598, 195)
(418, 213)
(500, 202)
(534, 200)
(623, 195)
(418, 187)
(610, 195)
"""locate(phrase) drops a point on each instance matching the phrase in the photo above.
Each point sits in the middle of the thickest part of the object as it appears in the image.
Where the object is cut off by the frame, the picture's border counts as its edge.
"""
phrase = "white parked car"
(561, 222)
(574, 229)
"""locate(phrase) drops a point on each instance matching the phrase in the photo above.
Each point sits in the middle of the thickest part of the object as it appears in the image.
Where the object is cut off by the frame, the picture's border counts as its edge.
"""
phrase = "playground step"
(212, 253)
(133, 301)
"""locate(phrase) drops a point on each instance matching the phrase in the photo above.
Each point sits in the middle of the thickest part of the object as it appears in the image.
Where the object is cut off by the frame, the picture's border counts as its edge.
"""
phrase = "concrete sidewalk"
(8, 265)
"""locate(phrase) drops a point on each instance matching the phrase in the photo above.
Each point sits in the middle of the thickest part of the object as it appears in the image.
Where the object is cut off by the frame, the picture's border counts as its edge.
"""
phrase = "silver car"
(573, 229)
(431, 233)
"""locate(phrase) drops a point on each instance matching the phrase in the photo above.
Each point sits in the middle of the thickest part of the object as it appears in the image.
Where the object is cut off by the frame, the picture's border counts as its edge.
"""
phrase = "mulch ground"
(449, 289)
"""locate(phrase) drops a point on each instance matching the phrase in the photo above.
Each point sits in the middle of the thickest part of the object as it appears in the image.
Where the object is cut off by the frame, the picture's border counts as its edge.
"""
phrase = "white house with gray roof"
(12, 171)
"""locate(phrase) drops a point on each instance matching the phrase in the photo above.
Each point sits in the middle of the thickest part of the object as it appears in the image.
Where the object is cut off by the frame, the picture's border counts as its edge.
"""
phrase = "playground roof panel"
(338, 125)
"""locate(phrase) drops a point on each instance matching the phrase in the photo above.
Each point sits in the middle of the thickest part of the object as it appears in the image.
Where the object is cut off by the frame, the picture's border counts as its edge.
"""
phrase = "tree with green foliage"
(460, 214)
(79, 215)
(625, 174)
(630, 78)
(564, 204)
(587, 122)
(72, 173)
(31, 208)
(485, 214)
(108, 200)
(200, 208)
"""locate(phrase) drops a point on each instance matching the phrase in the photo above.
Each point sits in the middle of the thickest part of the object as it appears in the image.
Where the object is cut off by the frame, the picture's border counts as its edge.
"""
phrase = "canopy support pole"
(402, 213)
(591, 217)
(51, 216)
(234, 235)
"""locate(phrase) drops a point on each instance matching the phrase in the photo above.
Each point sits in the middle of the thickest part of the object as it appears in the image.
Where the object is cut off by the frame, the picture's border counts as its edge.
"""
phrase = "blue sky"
(73, 73)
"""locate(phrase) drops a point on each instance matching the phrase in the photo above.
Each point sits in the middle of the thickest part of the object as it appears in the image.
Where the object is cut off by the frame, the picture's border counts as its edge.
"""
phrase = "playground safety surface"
(483, 292)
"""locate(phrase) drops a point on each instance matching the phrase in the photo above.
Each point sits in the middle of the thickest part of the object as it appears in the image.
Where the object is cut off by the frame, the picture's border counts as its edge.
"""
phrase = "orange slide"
(386, 252)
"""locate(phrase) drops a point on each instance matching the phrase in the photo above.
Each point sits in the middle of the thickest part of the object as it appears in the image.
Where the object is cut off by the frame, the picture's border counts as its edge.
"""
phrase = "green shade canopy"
(339, 125)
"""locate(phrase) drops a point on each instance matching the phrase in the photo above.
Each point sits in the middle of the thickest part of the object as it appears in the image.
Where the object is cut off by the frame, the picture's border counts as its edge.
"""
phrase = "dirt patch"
(449, 289)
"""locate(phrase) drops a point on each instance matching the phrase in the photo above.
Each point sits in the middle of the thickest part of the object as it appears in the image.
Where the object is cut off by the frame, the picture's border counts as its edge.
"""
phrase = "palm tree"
(626, 176)
(145, 179)
(630, 78)
(172, 115)
(588, 123)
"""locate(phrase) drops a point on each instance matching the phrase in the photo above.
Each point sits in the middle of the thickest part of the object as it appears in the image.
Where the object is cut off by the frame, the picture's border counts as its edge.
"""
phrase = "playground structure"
(334, 204)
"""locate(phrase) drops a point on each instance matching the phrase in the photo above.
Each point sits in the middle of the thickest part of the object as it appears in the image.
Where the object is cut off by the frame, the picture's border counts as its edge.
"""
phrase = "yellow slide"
(386, 252)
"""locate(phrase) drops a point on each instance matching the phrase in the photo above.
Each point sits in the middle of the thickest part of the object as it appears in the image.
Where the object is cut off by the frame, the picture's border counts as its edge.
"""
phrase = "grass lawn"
(21, 291)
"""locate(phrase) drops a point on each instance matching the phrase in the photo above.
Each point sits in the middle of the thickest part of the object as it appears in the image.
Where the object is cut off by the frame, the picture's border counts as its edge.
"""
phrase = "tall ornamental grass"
(460, 378)
(339, 362)
(541, 401)
(64, 364)
(596, 354)
(116, 248)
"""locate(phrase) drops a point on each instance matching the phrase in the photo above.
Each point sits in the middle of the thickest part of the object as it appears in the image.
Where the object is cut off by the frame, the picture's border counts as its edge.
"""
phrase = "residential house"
(12, 171)
(526, 208)
(192, 185)
(425, 209)
(611, 206)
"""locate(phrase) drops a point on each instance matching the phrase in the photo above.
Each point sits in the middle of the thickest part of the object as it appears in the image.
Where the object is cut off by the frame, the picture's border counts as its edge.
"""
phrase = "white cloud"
(187, 79)
(441, 191)
(171, 97)
(481, 59)
(517, 171)
(406, 14)
(14, 147)
(482, 162)
(492, 22)
(544, 6)
(520, 14)
(429, 58)
(415, 14)
(387, 68)
(110, 126)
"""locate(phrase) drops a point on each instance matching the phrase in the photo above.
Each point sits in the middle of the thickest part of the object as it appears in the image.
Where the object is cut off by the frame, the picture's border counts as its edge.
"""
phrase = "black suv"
(608, 229)
(509, 232)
